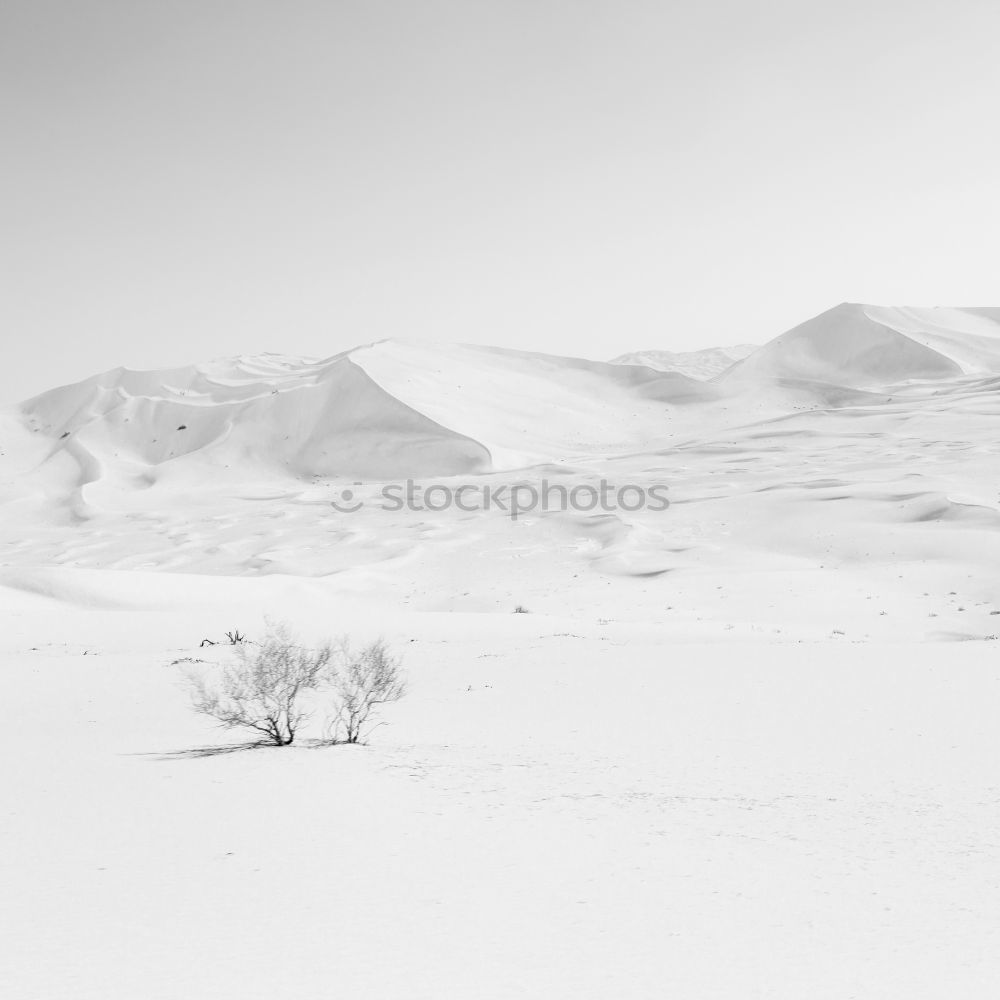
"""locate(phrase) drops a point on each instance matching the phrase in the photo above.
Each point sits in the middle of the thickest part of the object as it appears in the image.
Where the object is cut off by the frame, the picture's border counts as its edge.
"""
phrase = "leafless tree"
(262, 687)
(362, 680)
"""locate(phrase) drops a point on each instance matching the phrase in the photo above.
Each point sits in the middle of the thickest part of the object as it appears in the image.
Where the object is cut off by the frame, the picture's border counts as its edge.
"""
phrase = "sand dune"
(396, 409)
(530, 408)
(866, 347)
(390, 409)
(704, 364)
(257, 417)
(858, 448)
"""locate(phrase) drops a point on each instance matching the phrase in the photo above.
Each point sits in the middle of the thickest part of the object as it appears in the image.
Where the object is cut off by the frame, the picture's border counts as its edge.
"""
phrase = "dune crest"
(864, 347)
(385, 410)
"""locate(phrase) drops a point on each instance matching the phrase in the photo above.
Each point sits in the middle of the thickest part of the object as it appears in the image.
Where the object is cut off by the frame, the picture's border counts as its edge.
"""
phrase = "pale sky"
(187, 179)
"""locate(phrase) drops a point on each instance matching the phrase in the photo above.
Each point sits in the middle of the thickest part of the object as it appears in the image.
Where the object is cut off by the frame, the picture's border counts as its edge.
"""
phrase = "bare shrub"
(362, 680)
(261, 689)
(234, 638)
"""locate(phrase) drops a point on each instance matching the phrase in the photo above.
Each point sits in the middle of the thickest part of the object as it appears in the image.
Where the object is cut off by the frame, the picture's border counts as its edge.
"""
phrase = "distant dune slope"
(969, 337)
(695, 364)
(529, 408)
(863, 347)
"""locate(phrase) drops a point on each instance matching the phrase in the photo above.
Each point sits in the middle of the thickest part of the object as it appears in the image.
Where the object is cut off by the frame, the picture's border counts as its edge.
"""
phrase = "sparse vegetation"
(265, 686)
(262, 689)
(235, 638)
(361, 681)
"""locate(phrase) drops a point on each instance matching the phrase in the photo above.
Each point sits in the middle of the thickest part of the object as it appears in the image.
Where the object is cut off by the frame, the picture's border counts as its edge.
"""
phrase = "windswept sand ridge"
(969, 337)
(248, 419)
(530, 408)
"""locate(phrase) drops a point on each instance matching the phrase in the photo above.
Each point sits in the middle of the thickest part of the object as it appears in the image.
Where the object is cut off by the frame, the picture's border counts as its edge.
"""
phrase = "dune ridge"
(386, 409)
(864, 347)
(843, 473)
(396, 408)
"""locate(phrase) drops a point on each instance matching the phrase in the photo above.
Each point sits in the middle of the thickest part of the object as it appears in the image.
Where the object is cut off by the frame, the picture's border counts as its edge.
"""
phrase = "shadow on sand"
(217, 751)
(194, 753)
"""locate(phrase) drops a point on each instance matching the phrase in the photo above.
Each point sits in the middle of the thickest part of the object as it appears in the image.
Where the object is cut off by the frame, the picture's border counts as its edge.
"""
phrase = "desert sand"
(741, 747)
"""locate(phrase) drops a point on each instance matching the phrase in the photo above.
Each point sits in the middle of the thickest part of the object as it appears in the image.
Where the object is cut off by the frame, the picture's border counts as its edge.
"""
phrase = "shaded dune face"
(845, 347)
(330, 420)
(672, 387)
(352, 425)
(529, 408)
